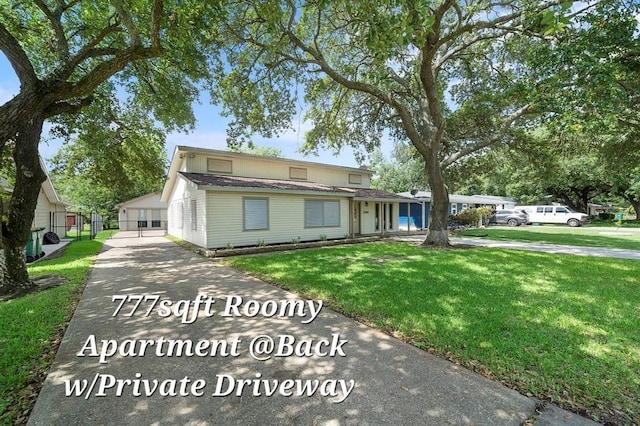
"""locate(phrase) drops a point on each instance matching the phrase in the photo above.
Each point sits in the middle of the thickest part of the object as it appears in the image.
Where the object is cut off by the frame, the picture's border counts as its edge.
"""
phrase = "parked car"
(554, 214)
(509, 217)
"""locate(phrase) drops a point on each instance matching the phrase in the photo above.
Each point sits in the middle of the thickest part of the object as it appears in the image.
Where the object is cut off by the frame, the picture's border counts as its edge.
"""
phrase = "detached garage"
(145, 212)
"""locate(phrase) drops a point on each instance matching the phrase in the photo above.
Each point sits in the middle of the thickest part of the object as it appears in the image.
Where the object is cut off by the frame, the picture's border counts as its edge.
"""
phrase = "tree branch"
(17, 58)
(106, 69)
(156, 17)
(67, 107)
(62, 45)
(124, 15)
(506, 125)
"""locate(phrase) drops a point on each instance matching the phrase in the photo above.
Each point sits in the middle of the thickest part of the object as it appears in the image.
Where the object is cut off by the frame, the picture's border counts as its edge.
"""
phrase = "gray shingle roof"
(224, 181)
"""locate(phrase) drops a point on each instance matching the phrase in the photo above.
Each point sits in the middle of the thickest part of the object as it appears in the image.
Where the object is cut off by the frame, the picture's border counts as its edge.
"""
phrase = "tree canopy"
(146, 56)
(448, 76)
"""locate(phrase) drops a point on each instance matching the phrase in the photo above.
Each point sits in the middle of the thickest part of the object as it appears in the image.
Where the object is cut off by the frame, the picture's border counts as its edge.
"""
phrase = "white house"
(144, 212)
(51, 213)
(219, 199)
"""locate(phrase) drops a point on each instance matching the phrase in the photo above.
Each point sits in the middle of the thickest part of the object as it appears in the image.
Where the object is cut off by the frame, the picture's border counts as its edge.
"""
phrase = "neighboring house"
(416, 212)
(220, 199)
(594, 210)
(51, 212)
(145, 212)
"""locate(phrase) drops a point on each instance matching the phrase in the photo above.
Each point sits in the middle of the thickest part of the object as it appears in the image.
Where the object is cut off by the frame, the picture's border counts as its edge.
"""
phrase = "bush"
(485, 213)
(606, 216)
(469, 217)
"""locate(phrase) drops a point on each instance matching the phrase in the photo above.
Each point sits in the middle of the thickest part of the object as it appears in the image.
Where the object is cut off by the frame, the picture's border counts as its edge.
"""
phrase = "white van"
(553, 214)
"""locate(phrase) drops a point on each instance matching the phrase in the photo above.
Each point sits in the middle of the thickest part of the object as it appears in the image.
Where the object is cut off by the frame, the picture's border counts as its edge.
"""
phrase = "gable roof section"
(181, 151)
(208, 151)
(150, 197)
(48, 189)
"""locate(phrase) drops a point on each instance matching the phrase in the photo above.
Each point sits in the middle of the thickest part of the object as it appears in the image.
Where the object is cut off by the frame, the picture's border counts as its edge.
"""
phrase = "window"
(321, 213)
(454, 208)
(156, 218)
(355, 178)
(142, 218)
(561, 210)
(179, 215)
(219, 166)
(548, 209)
(297, 173)
(194, 215)
(539, 210)
(255, 214)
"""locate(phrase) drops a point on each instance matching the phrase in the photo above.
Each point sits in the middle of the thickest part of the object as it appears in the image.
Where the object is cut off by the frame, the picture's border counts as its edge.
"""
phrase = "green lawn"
(562, 328)
(28, 324)
(624, 239)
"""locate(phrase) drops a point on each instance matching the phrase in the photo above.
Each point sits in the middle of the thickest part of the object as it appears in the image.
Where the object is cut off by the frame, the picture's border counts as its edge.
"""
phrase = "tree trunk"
(21, 209)
(437, 234)
(636, 206)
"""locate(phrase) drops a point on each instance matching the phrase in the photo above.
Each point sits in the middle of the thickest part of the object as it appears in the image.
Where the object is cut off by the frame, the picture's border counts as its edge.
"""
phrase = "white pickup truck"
(553, 214)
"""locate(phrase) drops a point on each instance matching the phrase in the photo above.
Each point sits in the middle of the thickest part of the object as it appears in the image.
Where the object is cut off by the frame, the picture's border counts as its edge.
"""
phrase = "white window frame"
(156, 217)
(324, 213)
(194, 215)
(179, 214)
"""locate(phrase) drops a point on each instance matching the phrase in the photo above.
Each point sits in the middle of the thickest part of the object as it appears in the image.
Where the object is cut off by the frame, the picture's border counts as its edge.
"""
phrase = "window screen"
(321, 213)
(194, 215)
(255, 214)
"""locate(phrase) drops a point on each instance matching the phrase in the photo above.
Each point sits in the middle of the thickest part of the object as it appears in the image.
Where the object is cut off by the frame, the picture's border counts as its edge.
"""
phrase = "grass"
(29, 324)
(561, 328)
(562, 235)
(627, 223)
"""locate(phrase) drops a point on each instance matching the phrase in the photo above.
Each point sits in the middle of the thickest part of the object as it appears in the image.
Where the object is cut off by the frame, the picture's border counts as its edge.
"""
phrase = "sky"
(210, 131)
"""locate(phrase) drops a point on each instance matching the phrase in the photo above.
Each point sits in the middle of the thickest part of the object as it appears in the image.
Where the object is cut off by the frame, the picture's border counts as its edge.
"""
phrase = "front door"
(356, 217)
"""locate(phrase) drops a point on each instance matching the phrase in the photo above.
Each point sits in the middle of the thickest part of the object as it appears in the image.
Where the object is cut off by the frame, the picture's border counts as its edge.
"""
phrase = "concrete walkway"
(380, 380)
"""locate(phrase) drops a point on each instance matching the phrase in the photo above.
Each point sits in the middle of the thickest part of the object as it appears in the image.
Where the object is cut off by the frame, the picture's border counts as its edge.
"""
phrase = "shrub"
(469, 217)
(606, 216)
(485, 213)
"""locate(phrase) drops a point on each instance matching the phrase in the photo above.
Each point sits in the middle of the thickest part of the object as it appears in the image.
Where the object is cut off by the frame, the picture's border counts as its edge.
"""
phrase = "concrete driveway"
(163, 364)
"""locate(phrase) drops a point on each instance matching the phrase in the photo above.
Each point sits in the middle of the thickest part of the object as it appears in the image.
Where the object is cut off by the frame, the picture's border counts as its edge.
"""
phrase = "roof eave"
(271, 190)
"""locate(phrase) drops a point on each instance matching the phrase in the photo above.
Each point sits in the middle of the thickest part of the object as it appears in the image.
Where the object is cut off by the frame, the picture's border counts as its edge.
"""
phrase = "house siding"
(184, 192)
(274, 169)
(41, 218)
(50, 216)
(286, 220)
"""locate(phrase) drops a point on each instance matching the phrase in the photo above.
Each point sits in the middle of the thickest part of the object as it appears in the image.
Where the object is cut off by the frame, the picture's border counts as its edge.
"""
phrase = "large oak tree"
(63, 52)
(370, 67)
